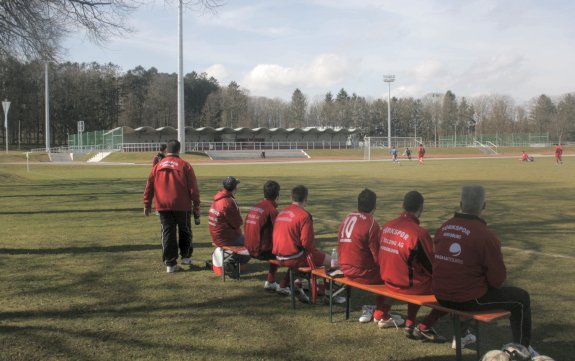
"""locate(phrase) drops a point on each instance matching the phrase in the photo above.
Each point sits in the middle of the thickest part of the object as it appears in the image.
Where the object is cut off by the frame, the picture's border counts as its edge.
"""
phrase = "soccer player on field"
(358, 249)
(468, 267)
(258, 230)
(420, 153)
(558, 154)
(405, 253)
(293, 235)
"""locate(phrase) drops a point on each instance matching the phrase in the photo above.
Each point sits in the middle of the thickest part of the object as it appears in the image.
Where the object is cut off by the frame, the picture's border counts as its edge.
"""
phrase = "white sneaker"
(468, 339)
(338, 299)
(366, 313)
(393, 321)
(283, 291)
(174, 268)
(271, 286)
(532, 351)
(187, 261)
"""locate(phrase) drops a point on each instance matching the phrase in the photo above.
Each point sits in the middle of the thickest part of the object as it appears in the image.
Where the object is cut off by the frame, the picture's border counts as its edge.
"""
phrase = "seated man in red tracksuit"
(405, 254)
(225, 223)
(258, 230)
(358, 249)
(468, 268)
(293, 235)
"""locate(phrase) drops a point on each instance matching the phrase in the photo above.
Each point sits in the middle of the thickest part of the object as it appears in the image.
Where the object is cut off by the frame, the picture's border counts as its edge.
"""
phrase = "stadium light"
(181, 117)
(389, 79)
(6, 107)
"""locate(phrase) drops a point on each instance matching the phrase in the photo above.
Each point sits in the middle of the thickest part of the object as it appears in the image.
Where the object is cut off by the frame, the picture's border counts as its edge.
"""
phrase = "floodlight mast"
(389, 79)
(181, 118)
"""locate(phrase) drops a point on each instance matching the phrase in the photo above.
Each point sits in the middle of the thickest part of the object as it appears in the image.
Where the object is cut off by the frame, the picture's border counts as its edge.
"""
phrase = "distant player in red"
(405, 255)
(258, 230)
(293, 235)
(358, 249)
(161, 154)
(420, 153)
(524, 156)
(558, 154)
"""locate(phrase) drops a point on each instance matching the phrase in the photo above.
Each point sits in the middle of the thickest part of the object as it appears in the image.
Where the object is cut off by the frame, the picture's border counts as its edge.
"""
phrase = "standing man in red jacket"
(468, 268)
(173, 186)
(293, 235)
(225, 224)
(405, 254)
(420, 153)
(358, 249)
(258, 230)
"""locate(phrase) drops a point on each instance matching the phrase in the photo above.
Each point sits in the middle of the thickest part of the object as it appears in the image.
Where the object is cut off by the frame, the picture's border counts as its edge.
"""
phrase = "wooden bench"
(422, 300)
(292, 272)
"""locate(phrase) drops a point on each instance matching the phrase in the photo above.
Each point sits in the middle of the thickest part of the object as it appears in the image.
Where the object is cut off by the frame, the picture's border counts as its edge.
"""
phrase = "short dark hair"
(299, 193)
(271, 189)
(173, 146)
(412, 201)
(163, 147)
(366, 200)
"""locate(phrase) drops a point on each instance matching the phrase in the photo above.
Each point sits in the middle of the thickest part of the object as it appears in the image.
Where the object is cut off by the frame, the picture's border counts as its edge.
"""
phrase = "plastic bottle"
(334, 259)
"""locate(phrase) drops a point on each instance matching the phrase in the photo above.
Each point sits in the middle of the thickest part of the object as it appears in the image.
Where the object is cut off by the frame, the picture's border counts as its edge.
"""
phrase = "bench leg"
(347, 301)
(330, 300)
(223, 265)
(477, 340)
(457, 332)
(292, 287)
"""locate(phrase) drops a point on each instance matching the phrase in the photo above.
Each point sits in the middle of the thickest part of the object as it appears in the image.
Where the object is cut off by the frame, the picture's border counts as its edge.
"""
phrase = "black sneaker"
(429, 335)
(301, 296)
(232, 269)
(408, 332)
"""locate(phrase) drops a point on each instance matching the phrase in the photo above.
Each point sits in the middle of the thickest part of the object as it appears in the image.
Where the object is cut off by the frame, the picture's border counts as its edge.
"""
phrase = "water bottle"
(334, 259)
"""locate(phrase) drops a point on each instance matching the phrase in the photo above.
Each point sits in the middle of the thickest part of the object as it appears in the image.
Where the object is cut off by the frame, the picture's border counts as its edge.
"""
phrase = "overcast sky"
(521, 48)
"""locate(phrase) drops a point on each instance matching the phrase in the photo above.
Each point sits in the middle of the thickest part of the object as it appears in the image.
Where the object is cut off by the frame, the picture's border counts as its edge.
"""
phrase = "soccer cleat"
(408, 331)
(393, 321)
(174, 268)
(428, 335)
(286, 291)
(187, 261)
(271, 286)
(468, 339)
(366, 313)
(232, 269)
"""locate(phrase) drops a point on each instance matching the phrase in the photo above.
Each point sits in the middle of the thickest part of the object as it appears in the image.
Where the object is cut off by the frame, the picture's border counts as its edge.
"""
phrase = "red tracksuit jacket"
(224, 220)
(467, 259)
(258, 227)
(405, 255)
(293, 231)
(173, 186)
(358, 245)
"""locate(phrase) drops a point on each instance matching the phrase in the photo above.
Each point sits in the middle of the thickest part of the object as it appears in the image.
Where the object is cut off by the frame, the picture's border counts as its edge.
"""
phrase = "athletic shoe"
(428, 335)
(174, 268)
(393, 321)
(286, 291)
(530, 349)
(366, 313)
(408, 331)
(338, 299)
(187, 261)
(271, 286)
(232, 270)
(300, 294)
(468, 339)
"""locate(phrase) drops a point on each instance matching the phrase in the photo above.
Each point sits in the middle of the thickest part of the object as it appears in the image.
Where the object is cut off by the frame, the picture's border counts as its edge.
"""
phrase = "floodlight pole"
(6, 107)
(389, 79)
(47, 107)
(181, 120)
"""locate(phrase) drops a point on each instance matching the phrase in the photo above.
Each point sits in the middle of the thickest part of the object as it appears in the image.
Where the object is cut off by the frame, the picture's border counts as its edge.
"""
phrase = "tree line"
(105, 97)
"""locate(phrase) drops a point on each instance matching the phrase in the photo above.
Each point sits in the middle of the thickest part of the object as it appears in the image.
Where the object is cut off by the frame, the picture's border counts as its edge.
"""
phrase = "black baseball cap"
(230, 183)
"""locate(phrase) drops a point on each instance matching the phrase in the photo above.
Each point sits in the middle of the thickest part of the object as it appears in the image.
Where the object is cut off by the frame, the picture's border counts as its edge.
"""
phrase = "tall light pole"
(6, 107)
(47, 107)
(389, 79)
(181, 120)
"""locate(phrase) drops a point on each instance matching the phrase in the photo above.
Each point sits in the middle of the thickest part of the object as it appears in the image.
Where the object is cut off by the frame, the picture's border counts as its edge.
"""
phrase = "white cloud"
(219, 72)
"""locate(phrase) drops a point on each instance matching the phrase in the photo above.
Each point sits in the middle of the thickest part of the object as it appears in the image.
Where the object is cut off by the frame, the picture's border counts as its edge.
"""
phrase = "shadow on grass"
(90, 249)
(63, 211)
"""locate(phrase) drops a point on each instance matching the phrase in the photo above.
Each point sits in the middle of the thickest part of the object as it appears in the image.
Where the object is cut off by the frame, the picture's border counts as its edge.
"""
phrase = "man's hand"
(147, 211)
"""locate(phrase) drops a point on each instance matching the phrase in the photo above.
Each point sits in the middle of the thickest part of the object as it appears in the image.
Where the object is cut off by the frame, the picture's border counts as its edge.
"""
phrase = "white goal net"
(378, 147)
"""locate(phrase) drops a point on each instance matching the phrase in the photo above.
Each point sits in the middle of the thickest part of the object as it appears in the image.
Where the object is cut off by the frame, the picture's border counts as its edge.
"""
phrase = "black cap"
(230, 183)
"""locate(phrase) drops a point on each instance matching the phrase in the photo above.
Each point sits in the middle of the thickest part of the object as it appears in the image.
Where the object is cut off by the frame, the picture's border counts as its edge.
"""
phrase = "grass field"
(81, 276)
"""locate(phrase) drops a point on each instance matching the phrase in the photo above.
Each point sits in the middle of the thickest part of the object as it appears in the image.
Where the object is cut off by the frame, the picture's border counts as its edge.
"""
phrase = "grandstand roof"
(225, 130)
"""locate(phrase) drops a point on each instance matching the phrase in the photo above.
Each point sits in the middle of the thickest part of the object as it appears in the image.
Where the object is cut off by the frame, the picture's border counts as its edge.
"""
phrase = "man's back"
(404, 256)
(258, 227)
(293, 231)
(358, 244)
(467, 259)
(224, 219)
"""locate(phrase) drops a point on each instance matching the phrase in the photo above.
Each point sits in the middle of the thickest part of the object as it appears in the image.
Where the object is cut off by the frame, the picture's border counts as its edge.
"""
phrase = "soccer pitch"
(82, 277)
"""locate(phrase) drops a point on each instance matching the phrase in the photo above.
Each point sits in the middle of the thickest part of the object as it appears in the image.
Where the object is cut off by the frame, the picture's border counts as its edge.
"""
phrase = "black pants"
(172, 222)
(513, 299)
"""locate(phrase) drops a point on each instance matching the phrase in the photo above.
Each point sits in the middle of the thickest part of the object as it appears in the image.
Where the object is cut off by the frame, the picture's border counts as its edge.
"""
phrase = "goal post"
(378, 147)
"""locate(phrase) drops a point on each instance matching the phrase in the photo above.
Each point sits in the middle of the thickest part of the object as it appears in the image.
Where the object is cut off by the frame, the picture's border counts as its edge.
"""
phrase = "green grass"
(81, 276)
